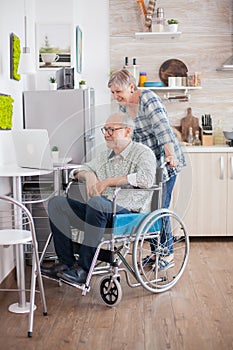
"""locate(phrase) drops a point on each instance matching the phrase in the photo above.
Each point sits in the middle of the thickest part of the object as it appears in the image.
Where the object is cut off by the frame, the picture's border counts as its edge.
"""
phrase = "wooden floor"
(197, 314)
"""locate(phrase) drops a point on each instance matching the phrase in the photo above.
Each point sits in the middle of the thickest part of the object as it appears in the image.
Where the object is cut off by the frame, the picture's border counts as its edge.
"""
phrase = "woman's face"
(122, 94)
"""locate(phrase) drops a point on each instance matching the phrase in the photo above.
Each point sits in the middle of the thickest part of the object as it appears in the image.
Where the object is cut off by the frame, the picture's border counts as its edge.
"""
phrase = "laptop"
(32, 149)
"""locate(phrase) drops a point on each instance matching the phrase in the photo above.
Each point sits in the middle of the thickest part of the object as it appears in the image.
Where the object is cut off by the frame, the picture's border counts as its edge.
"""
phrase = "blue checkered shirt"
(152, 128)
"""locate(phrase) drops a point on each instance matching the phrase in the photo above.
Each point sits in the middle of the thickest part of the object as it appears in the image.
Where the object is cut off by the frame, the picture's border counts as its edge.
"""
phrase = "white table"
(16, 173)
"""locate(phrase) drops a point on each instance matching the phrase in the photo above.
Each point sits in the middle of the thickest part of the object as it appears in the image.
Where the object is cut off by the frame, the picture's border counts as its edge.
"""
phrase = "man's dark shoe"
(77, 275)
(53, 270)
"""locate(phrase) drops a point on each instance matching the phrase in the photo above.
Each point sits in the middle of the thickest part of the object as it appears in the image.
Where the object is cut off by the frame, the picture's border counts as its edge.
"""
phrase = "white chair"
(17, 228)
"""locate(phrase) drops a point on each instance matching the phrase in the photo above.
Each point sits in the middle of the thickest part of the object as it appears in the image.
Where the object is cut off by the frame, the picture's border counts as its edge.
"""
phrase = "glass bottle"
(126, 63)
(218, 133)
(190, 136)
(196, 141)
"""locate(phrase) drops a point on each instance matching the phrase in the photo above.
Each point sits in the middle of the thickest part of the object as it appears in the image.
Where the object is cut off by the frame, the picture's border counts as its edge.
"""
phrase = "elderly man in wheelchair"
(122, 163)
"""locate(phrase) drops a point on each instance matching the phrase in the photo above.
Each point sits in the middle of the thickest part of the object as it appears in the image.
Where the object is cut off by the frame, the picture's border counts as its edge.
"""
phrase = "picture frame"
(79, 49)
(53, 45)
(14, 56)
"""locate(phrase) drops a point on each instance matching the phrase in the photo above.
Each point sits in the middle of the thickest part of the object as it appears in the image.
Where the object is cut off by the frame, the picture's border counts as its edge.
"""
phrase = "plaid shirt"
(153, 129)
(137, 162)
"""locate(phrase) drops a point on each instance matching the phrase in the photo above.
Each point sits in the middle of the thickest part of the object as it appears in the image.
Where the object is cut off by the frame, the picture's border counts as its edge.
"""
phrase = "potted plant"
(172, 25)
(55, 153)
(52, 83)
(82, 84)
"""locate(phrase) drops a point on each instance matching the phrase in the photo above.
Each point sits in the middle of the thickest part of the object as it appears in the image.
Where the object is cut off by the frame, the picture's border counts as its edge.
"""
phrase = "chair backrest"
(14, 214)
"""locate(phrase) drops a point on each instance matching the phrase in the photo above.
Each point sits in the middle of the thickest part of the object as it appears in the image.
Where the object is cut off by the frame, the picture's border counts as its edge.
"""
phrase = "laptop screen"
(32, 149)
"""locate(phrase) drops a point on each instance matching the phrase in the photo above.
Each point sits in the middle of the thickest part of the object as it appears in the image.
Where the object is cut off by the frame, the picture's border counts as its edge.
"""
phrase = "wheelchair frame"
(113, 252)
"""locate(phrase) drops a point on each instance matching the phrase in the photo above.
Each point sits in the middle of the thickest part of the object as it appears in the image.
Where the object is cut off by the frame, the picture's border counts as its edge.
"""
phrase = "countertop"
(207, 149)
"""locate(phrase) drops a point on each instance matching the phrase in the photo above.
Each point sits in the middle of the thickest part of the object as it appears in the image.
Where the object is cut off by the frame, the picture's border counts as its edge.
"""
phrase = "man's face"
(115, 134)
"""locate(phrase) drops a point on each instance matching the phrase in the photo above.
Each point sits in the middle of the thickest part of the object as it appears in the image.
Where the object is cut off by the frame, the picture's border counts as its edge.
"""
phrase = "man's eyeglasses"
(110, 131)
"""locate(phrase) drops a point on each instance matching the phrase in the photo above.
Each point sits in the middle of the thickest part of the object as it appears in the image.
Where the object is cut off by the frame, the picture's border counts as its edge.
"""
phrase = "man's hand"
(91, 180)
(101, 186)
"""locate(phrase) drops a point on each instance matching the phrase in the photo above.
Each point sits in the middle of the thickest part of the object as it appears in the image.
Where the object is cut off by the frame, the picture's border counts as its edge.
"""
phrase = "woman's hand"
(172, 161)
(170, 155)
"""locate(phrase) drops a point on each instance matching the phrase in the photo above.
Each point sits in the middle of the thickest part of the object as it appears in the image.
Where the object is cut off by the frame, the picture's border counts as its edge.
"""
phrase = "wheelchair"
(133, 237)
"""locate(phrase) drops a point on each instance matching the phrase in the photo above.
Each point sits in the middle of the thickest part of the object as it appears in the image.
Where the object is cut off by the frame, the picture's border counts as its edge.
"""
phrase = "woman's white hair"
(122, 78)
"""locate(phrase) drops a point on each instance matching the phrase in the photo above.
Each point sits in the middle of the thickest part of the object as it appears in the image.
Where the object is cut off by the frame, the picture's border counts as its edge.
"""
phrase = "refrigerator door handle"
(89, 113)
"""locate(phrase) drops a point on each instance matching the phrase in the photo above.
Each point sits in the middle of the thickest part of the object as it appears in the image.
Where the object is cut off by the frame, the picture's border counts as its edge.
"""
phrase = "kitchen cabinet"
(207, 204)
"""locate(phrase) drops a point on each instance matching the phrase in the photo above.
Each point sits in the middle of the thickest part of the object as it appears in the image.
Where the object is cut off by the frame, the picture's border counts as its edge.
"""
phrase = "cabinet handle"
(231, 167)
(221, 168)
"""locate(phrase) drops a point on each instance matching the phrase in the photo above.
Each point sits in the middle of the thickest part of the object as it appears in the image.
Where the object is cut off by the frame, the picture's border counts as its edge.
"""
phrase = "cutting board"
(172, 68)
(187, 122)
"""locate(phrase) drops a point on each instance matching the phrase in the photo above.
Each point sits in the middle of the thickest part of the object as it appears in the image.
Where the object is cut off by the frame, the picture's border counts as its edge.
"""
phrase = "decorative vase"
(173, 27)
(82, 86)
(55, 156)
(52, 86)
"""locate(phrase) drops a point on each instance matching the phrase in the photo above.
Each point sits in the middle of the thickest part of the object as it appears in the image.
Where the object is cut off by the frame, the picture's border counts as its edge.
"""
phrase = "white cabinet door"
(230, 196)
(204, 207)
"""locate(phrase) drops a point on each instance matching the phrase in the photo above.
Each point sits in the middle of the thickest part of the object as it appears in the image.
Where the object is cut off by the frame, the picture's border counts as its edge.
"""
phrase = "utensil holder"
(206, 140)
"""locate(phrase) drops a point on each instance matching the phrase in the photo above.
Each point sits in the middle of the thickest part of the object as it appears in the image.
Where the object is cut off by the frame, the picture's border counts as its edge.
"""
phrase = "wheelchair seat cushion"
(126, 223)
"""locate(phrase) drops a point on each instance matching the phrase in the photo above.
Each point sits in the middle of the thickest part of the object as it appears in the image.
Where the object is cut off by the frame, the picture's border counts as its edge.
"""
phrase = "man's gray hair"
(125, 120)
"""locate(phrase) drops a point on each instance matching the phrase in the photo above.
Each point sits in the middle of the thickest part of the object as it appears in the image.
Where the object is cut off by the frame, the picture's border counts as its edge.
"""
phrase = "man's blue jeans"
(166, 236)
(93, 217)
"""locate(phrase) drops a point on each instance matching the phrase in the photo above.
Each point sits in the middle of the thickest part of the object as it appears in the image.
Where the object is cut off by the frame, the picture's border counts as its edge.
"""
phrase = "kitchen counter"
(207, 149)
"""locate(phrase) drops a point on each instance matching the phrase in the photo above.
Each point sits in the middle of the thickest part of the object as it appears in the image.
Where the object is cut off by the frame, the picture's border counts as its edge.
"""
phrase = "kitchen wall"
(205, 43)
(95, 64)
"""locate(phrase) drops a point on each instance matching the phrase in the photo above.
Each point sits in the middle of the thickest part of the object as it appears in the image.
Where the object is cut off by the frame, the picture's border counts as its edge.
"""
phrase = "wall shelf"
(167, 96)
(156, 35)
(168, 88)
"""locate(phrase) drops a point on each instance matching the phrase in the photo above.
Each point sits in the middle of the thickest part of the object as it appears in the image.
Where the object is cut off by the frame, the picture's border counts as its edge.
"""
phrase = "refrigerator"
(69, 117)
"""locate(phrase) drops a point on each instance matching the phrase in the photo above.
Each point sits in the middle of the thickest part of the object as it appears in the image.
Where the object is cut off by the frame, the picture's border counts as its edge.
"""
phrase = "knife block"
(206, 140)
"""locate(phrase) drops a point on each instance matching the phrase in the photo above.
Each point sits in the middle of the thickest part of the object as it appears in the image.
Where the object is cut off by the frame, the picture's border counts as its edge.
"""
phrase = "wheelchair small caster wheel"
(110, 291)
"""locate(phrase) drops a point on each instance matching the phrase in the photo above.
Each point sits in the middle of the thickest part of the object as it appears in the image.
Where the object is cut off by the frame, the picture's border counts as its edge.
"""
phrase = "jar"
(218, 133)
(142, 78)
(190, 79)
(197, 79)
(158, 24)
(160, 12)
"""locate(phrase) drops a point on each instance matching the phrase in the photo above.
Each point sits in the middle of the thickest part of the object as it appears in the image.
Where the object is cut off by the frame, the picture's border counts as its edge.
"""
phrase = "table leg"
(22, 306)
(57, 180)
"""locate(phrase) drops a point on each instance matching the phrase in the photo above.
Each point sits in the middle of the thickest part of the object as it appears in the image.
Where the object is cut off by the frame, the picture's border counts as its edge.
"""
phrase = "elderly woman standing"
(153, 129)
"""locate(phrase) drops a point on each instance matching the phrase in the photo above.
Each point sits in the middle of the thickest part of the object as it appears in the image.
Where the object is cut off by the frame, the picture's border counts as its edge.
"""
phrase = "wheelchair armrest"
(70, 183)
(131, 188)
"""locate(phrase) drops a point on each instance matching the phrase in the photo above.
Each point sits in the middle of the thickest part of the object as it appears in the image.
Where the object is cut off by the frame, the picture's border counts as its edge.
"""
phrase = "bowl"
(154, 84)
(228, 135)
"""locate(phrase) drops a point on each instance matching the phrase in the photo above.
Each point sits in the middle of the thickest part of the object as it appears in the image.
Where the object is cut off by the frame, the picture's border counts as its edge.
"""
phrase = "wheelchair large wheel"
(110, 291)
(152, 236)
